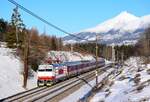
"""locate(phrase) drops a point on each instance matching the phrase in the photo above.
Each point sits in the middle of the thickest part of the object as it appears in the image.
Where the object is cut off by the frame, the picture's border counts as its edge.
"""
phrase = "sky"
(72, 15)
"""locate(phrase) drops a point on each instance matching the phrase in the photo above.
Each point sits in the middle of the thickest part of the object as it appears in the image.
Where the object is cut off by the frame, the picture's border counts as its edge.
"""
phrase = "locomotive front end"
(46, 75)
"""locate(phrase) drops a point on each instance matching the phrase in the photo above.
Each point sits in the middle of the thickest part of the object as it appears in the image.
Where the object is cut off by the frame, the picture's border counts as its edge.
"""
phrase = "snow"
(107, 61)
(118, 91)
(126, 90)
(109, 36)
(118, 22)
(125, 42)
(11, 78)
(70, 42)
(99, 96)
(81, 92)
(69, 56)
(124, 22)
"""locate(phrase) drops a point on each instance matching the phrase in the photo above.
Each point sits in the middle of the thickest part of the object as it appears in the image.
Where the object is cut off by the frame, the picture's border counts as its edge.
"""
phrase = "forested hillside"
(16, 36)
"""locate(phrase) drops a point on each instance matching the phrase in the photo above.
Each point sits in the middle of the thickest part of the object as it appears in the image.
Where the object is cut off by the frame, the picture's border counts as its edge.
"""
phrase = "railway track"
(58, 90)
(43, 94)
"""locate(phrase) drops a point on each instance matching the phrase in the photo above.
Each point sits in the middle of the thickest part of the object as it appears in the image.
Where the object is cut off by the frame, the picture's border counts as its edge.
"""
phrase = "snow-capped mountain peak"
(115, 23)
(126, 16)
(124, 27)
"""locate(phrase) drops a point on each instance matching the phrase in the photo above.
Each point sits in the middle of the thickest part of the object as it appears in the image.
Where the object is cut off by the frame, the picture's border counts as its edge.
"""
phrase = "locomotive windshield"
(47, 70)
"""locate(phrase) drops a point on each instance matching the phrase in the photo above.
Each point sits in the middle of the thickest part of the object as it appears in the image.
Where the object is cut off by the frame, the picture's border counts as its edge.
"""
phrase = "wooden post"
(71, 47)
(122, 57)
(26, 52)
(96, 73)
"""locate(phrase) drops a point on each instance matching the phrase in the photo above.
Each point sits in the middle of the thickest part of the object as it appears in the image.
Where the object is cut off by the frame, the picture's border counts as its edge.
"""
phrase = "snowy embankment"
(68, 56)
(85, 89)
(11, 78)
(132, 85)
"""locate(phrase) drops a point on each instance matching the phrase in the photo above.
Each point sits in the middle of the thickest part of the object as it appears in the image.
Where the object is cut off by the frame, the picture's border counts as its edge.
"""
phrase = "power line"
(58, 28)
(43, 20)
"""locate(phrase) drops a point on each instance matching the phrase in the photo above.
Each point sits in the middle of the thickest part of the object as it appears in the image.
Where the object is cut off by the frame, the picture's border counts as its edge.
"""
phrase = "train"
(49, 74)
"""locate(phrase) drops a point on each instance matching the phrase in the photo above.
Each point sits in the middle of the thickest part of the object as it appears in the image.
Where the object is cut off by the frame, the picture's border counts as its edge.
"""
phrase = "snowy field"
(11, 79)
(132, 85)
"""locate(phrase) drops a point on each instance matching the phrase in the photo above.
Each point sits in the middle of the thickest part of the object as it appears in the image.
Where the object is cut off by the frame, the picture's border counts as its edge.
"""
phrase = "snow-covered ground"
(85, 89)
(11, 79)
(132, 85)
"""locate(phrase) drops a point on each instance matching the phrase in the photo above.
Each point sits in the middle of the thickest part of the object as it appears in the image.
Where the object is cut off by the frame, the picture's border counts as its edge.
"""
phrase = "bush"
(137, 75)
(148, 71)
(139, 88)
(137, 80)
(122, 78)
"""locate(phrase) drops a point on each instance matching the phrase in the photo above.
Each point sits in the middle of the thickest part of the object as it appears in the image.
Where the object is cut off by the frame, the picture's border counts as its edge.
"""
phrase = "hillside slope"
(11, 79)
(68, 56)
(131, 85)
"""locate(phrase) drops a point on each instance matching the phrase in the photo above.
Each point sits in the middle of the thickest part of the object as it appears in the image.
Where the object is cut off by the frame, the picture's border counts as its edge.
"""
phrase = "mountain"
(122, 29)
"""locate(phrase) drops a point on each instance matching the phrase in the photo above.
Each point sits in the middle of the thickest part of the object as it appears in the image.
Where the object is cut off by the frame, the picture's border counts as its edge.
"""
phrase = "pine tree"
(60, 44)
(146, 45)
(16, 20)
(16, 34)
(3, 28)
(54, 43)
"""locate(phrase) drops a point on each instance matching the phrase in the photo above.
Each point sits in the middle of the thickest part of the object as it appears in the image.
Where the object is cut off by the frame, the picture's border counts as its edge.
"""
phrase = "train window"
(61, 71)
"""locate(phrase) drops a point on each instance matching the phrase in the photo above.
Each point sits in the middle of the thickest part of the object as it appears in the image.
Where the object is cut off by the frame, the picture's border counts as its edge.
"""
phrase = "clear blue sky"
(73, 15)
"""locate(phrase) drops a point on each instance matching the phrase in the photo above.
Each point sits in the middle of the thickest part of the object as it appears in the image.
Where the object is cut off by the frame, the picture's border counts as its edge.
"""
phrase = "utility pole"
(113, 54)
(26, 52)
(117, 56)
(147, 46)
(17, 36)
(17, 25)
(71, 48)
(122, 57)
(96, 72)
(106, 53)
